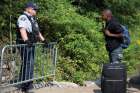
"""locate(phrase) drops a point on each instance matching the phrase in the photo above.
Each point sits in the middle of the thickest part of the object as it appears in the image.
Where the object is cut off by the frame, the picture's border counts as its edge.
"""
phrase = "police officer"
(28, 33)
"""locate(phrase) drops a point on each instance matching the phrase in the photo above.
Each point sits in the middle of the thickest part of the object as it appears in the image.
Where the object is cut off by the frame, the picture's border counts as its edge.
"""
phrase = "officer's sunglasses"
(34, 9)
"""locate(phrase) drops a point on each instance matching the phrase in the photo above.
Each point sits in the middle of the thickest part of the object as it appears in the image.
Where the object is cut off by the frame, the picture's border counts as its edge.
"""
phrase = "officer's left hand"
(45, 43)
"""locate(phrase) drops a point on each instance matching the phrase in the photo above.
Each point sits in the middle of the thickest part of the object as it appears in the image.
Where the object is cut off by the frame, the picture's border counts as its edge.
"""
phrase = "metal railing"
(21, 63)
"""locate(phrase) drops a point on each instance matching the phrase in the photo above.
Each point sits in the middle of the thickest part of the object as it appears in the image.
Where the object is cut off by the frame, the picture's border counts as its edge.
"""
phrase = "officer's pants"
(27, 66)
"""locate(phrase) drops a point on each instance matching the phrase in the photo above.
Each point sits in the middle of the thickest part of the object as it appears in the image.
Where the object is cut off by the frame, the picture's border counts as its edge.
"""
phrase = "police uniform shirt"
(24, 22)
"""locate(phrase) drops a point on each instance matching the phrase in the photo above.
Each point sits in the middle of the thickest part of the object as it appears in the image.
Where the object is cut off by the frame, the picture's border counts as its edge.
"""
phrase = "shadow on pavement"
(97, 91)
(134, 82)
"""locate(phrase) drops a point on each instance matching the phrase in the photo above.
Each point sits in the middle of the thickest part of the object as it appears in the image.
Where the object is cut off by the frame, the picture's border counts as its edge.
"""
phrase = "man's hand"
(107, 32)
(45, 43)
(29, 43)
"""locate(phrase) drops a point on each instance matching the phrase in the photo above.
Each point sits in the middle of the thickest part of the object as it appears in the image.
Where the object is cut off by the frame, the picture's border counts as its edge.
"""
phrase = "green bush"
(81, 50)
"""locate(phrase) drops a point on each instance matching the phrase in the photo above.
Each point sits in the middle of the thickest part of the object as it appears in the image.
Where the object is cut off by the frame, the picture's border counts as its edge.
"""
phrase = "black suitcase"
(113, 79)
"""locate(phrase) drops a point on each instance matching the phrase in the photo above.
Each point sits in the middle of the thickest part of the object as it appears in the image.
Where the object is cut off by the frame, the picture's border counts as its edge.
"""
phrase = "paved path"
(90, 89)
(78, 90)
(61, 90)
(68, 90)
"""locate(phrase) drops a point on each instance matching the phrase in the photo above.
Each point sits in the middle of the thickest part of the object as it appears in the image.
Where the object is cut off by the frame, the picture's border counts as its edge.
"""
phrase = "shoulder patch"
(22, 18)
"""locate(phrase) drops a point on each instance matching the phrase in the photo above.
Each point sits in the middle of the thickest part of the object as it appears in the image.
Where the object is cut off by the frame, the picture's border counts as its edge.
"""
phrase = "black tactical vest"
(32, 36)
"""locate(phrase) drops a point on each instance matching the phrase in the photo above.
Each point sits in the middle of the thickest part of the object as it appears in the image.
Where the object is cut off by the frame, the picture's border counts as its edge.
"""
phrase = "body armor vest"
(32, 36)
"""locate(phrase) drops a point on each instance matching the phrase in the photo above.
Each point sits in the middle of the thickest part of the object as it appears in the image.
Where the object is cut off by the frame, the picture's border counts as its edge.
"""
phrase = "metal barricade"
(21, 63)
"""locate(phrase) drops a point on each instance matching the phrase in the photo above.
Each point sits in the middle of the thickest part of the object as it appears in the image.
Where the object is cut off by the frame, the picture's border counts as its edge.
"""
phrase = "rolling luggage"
(113, 79)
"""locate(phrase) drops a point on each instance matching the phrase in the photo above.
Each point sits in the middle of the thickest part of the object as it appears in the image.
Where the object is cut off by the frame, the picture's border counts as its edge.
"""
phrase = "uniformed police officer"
(28, 33)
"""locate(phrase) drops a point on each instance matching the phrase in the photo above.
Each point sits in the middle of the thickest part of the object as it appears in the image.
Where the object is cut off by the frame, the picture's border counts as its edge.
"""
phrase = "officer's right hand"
(29, 43)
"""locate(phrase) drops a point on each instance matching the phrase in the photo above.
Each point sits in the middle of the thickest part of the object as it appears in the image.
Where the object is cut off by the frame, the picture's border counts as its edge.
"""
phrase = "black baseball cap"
(32, 5)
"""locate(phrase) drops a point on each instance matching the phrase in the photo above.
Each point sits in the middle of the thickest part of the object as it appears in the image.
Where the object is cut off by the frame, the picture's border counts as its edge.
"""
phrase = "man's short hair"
(108, 12)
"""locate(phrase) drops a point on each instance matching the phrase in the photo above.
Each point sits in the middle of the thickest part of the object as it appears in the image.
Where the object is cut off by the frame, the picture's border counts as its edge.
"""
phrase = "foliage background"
(73, 25)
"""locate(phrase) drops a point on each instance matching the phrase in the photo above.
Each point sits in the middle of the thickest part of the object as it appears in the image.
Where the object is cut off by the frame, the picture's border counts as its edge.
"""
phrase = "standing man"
(113, 36)
(27, 33)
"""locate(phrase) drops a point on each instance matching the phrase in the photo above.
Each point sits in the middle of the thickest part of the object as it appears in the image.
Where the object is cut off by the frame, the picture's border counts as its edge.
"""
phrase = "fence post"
(55, 60)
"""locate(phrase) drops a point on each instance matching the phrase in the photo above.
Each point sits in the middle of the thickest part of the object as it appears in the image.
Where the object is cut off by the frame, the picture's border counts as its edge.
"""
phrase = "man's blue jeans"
(116, 55)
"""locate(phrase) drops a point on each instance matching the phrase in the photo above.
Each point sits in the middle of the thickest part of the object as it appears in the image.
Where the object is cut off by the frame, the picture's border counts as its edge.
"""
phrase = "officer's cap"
(32, 5)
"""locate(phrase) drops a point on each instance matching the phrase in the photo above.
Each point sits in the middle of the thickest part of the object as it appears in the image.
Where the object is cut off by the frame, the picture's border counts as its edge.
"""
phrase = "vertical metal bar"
(34, 60)
(22, 63)
(46, 60)
(13, 73)
(43, 55)
(42, 65)
(35, 54)
(55, 60)
(26, 60)
(1, 64)
(37, 67)
(30, 62)
(51, 55)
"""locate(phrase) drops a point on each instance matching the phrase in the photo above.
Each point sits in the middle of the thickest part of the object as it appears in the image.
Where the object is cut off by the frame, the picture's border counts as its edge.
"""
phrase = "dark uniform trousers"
(27, 65)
